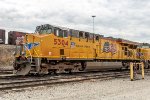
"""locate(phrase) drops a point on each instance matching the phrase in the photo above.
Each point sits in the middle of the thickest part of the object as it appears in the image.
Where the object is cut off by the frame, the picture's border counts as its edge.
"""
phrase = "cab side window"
(44, 29)
(49, 31)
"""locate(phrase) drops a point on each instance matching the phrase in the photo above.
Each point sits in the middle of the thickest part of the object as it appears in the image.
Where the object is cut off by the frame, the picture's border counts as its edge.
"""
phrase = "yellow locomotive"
(58, 49)
(144, 48)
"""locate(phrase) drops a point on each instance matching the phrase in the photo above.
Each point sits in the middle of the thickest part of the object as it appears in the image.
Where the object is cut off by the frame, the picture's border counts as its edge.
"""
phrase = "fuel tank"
(103, 65)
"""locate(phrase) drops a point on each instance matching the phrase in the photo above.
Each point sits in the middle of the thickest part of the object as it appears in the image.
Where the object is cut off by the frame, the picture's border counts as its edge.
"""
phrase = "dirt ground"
(116, 89)
(6, 55)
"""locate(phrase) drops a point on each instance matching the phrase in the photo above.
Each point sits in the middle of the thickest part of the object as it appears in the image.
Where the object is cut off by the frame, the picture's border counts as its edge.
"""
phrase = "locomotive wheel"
(55, 72)
(23, 69)
(146, 64)
(83, 64)
(69, 71)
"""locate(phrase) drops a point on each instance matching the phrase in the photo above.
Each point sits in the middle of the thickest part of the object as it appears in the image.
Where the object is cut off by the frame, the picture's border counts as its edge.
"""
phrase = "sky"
(128, 19)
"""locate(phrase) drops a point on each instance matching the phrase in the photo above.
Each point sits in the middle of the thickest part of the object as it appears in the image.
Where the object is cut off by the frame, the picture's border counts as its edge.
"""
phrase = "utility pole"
(93, 22)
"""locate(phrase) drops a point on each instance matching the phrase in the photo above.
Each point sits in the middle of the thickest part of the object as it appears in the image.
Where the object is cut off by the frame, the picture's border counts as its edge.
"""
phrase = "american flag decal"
(109, 48)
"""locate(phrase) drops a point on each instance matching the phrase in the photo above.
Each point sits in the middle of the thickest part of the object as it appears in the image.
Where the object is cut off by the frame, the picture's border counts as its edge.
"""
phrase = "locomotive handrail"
(36, 52)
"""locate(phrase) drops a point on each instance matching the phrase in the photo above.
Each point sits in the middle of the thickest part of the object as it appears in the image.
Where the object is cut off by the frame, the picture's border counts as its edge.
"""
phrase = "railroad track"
(21, 82)
(5, 70)
(15, 82)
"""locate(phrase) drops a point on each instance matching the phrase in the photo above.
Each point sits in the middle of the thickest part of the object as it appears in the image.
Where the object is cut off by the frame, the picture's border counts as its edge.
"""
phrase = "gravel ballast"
(116, 89)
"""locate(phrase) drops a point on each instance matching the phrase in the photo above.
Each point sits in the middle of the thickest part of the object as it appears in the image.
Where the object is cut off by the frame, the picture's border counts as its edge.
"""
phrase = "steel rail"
(57, 80)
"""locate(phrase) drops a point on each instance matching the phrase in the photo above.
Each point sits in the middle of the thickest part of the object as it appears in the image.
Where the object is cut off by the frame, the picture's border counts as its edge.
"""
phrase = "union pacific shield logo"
(107, 47)
(31, 45)
(73, 44)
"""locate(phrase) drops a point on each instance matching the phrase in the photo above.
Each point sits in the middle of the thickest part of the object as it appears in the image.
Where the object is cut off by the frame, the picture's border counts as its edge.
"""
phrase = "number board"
(60, 42)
